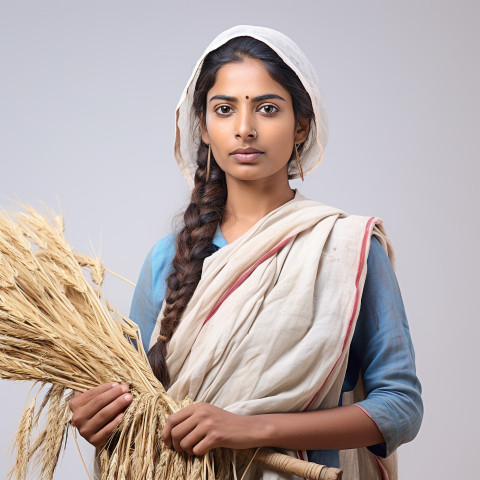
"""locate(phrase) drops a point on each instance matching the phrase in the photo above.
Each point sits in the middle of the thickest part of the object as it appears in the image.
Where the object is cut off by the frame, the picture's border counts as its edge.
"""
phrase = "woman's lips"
(246, 157)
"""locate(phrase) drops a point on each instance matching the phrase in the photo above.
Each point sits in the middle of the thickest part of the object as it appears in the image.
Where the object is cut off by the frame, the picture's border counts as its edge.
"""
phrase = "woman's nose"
(244, 128)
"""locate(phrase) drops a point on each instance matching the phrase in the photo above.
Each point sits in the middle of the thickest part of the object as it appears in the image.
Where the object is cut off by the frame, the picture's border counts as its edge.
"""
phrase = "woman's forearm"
(198, 428)
(332, 429)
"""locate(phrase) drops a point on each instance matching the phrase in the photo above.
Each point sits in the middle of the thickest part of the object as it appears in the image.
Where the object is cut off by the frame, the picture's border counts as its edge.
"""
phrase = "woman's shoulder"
(377, 252)
(159, 258)
(359, 227)
(163, 247)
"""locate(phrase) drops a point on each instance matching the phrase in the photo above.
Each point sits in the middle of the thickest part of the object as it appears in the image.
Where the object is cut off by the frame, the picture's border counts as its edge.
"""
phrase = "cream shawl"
(269, 326)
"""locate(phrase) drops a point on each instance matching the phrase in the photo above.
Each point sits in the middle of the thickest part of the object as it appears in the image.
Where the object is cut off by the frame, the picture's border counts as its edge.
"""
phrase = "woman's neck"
(247, 203)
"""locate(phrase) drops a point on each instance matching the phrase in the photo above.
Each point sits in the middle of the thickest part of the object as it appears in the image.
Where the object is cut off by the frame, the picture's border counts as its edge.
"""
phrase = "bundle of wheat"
(58, 329)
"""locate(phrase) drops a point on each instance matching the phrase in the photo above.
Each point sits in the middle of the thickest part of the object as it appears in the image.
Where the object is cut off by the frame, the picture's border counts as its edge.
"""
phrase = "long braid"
(193, 245)
(207, 207)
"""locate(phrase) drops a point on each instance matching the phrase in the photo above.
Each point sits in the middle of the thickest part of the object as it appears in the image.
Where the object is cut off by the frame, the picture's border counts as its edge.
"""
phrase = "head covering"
(188, 135)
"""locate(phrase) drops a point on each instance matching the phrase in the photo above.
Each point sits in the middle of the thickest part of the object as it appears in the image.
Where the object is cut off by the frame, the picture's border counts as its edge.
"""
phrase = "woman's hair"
(207, 206)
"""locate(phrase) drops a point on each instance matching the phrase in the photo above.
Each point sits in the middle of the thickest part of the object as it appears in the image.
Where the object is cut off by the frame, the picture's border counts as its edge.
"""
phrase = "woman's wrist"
(262, 430)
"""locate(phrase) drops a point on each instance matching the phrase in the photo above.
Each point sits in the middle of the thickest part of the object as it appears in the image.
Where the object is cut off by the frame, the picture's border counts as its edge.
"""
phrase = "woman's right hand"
(97, 412)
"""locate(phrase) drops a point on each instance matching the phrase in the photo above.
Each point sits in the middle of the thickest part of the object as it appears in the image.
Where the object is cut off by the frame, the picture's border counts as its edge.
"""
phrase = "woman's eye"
(269, 109)
(224, 109)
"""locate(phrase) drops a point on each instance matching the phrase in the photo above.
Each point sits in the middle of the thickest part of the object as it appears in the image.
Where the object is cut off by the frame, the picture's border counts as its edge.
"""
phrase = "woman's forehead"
(247, 78)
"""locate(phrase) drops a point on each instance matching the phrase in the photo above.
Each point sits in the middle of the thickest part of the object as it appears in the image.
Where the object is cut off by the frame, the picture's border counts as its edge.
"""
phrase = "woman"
(272, 303)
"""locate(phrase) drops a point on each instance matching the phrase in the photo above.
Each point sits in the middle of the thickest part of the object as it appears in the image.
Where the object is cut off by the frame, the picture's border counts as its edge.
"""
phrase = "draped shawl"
(269, 326)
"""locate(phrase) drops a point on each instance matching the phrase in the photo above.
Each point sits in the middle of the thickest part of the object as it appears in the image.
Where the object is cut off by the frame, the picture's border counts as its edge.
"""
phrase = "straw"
(57, 328)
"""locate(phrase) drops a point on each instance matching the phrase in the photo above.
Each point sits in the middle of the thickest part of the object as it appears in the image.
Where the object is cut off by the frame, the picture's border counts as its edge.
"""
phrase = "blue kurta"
(381, 346)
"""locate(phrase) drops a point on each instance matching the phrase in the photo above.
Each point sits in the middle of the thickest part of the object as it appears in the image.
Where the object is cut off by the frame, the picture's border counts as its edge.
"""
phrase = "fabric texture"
(381, 347)
(321, 267)
(188, 135)
(309, 253)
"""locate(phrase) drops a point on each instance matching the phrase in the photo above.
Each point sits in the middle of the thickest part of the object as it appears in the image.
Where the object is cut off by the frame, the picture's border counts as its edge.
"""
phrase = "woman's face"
(244, 100)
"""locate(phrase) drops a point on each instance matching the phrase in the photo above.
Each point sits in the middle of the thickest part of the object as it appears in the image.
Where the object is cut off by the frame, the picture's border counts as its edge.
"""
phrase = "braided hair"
(207, 205)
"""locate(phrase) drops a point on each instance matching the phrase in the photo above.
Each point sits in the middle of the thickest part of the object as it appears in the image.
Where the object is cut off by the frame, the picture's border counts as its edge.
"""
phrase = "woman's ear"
(302, 129)
(203, 129)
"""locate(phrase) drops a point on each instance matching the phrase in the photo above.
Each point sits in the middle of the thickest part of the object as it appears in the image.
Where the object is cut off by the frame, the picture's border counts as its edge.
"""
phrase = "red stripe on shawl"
(383, 474)
(382, 470)
(301, 455)
(350, 323)
(244, 276)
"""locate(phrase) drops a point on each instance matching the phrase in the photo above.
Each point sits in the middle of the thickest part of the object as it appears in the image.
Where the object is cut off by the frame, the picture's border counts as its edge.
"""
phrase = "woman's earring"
(208, 164)
(299, 165)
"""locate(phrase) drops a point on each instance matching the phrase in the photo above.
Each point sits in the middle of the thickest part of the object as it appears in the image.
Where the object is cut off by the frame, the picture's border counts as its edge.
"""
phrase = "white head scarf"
(188, 135)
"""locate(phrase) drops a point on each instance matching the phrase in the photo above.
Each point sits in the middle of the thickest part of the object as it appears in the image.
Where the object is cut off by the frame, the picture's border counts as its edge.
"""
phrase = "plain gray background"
(87, 97)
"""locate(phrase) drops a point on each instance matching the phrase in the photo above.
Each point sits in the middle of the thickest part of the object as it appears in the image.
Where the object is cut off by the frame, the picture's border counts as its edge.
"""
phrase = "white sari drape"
(269, 326)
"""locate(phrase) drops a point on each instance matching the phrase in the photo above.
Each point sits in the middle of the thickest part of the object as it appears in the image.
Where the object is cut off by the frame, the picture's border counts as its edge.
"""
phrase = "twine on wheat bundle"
(57, 328)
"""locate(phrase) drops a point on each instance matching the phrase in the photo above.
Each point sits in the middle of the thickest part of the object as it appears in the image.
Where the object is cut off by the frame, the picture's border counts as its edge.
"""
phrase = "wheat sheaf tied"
(57, 329)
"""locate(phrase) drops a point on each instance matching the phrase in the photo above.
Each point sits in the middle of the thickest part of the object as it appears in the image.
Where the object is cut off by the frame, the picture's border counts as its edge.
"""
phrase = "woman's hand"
(97, 412)
(198, 428)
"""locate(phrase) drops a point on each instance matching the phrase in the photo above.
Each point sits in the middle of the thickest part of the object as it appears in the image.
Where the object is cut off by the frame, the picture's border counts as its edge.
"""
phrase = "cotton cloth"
(297, 349)
(199, 355)
(188, 135)
(381, 347)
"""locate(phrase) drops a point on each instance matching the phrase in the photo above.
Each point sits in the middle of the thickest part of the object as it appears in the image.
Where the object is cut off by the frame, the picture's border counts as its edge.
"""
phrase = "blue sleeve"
(151, 287)
(382, 347)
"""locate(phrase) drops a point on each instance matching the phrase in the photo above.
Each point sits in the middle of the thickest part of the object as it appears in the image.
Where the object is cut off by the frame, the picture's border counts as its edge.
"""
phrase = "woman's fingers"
(190, 443)
(200, 427)
(98, 411)
(183, 434)
(174, 420)
(101, 437)
(81, 399)
(100, 401)
(83, 410)
(203, 446)
(106, 410)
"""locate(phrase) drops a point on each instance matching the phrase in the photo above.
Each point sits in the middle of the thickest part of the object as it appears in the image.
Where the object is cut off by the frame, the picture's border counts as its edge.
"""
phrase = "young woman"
(280, 316)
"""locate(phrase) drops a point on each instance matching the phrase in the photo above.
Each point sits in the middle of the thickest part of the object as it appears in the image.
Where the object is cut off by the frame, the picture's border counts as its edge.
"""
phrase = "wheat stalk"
(56, 328)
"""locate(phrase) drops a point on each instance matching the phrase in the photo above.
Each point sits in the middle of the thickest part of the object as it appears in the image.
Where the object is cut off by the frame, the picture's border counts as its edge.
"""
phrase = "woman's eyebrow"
(267, 96)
